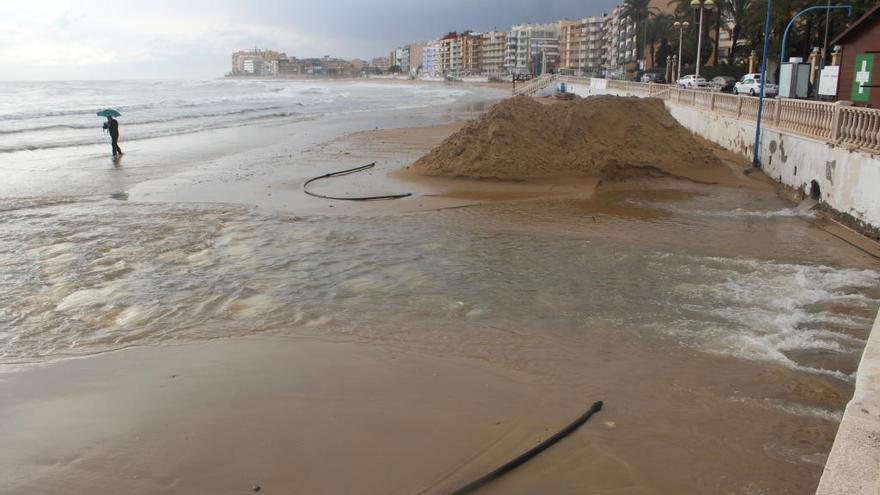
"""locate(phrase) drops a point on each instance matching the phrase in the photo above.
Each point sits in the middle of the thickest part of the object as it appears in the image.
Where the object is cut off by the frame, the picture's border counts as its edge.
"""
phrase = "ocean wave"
(770, 311)
(138, 136)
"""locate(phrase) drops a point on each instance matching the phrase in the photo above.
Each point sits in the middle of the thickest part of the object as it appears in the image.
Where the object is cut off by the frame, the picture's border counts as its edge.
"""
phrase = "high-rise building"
(471, 52)
(450, 55)
(430, 60)
(532, 49)
(493, 52)
(620, 43)
(400, 58)
(239, 58)
(416, 52)
(582, 46)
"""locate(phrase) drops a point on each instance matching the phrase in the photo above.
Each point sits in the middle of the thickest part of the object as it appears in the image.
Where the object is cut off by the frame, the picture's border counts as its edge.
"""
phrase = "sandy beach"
(195, 324)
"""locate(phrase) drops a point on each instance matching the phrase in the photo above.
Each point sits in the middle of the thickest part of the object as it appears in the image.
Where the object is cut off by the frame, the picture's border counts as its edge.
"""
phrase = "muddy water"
(720, 327)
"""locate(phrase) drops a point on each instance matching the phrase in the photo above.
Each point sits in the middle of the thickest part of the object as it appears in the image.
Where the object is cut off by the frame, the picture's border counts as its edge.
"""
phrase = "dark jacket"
(112, 126)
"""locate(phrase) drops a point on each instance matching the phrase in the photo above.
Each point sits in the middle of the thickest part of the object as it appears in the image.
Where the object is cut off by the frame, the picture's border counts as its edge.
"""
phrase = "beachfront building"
(582, 46)
(532, 49)
(400, 58)
(450, 55)
(430, 61)
(416, 51)
(471, 53)
(260, 67)
(378, 65)
(620, 44)
(493, 53)
(258, 61)
(289, 67)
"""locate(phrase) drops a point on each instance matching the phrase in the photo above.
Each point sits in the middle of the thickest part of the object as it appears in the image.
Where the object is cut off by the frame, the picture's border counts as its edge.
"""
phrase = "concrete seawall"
(849, 182)
(853, 467)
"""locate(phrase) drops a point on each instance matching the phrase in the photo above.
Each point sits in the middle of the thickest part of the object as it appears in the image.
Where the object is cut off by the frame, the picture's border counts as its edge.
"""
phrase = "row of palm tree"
(742, 20)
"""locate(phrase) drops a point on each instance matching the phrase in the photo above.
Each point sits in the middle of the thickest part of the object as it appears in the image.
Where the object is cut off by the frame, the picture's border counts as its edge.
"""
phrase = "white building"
(532, 48)
(401, 58)
(430, 63)
(260, 67)
(620, 44)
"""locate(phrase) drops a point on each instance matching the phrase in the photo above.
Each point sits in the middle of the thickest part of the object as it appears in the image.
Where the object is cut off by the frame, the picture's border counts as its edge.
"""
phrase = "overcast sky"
(91, 39)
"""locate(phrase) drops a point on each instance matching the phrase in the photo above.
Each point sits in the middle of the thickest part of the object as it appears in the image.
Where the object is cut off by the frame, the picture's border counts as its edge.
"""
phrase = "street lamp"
(681, 26)
(676, 65)
(700, 5)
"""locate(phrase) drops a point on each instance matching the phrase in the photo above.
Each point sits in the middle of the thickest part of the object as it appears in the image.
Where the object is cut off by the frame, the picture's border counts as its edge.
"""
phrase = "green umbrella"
(108, 112)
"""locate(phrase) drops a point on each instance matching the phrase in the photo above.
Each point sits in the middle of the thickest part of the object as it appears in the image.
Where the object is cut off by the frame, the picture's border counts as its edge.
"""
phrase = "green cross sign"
(862, 77)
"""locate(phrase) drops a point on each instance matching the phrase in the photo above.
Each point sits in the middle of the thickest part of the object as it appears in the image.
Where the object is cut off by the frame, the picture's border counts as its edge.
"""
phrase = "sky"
(158, 39)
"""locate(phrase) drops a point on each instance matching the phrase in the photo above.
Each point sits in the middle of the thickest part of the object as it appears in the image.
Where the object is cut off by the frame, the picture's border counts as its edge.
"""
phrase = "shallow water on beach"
(688, 324)
(87, 276)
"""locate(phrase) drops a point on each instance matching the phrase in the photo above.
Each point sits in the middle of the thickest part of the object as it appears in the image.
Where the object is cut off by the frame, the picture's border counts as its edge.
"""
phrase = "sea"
(46, 115)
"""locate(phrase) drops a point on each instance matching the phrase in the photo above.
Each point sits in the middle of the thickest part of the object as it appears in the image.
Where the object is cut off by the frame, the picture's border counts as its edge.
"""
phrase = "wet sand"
(396, 411)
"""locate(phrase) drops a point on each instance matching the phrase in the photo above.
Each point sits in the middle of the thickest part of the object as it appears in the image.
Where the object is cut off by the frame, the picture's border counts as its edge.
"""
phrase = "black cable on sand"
(349, 198)
(527, 456)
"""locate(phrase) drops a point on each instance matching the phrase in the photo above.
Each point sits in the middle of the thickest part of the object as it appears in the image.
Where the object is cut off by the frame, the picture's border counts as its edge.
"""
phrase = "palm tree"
(639, 11)
(736, 13)
(658, 29)
(720, 5)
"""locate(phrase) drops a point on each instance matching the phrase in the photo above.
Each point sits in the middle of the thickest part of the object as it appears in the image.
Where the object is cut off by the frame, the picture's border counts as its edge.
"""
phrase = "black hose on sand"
(356, 198)
(525, 457)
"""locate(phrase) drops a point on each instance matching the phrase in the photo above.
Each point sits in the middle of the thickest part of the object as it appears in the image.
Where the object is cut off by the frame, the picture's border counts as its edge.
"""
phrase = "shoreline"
(390, 80)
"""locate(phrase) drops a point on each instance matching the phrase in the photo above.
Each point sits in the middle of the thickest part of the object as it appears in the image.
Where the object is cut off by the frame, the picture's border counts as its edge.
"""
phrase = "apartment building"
(582, 46)
(620, 44)
(471, 52)
(257, 58)
(378, 64)
(493, 52)
(450, 55)
(401, 58)
(532, 49)
(416, 52)
(430, 61)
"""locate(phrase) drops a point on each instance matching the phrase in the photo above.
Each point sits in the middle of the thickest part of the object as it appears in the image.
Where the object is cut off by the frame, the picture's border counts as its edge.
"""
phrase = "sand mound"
(522, 138)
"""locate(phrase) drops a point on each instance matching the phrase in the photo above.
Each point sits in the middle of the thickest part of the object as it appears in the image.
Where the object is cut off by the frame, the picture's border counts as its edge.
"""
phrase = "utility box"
(828, 80)
(794, 79)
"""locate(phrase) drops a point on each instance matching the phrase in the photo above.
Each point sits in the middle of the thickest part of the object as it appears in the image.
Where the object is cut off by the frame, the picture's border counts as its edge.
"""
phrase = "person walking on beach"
(112, 126)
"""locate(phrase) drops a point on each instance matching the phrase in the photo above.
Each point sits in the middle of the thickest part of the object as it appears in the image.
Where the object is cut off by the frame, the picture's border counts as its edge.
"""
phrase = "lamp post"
(680, 25)
(700, 5)
(676, 65)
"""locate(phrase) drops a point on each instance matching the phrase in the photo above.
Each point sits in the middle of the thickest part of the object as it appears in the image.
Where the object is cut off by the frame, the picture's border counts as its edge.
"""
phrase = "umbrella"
(108, 112)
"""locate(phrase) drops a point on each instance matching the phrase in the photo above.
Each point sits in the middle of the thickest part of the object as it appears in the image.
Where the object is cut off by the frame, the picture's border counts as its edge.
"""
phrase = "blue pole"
(791, 23)
(756, 160)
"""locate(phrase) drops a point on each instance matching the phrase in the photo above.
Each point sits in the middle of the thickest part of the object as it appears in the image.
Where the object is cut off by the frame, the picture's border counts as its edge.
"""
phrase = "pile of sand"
(522, 138)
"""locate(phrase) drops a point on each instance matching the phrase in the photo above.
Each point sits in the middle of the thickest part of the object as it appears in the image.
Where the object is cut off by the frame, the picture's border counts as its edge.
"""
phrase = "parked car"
(752, 86)
(649, 78)
(722, 83)
(692, 81)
